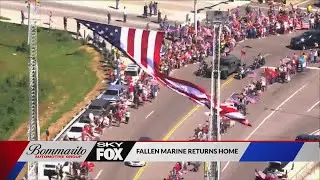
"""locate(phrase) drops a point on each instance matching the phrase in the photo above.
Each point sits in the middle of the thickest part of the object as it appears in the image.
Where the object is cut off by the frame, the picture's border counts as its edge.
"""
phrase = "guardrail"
(304, 171)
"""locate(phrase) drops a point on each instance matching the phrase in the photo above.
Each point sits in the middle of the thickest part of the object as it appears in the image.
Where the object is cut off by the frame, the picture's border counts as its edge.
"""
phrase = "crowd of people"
(183, 46)
(250, 94)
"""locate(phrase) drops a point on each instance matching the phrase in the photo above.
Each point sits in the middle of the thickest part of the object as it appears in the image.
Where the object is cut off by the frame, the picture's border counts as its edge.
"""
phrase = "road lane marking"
(180, 122)
(316, 132)
(266, 118)
(149, 114)
(99, 173)
(313, 106)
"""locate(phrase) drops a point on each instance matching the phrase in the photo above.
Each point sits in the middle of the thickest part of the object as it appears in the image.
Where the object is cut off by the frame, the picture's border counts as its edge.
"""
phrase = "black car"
(308, 137)
(306, 41)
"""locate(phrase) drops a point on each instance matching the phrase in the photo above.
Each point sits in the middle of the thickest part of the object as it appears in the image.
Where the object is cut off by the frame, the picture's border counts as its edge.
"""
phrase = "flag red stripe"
(144, 48)
(157, 49)
(168, 84)
(186, 83)
(131, 35)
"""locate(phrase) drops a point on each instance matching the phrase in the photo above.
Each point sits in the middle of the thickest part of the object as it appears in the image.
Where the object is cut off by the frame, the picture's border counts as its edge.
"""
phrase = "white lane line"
(313, 106)
(99, 173)
(316, 132)
(266, 118)
(149, 114)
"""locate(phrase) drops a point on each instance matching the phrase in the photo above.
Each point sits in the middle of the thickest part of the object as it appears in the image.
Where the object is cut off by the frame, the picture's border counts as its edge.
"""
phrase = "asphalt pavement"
(156, 119)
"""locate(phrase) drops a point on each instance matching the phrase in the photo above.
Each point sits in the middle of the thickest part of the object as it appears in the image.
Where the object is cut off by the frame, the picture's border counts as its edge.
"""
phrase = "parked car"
(306, 41)
(113, 93)
(75, 131)
(134, 71)
(97, 107)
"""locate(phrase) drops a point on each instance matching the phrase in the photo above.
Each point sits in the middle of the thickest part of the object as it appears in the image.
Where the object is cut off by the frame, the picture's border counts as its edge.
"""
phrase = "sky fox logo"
(110, 151)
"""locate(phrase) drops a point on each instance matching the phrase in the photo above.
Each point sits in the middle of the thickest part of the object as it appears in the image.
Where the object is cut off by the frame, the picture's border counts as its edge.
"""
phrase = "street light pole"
(195, 16)
(213, 168)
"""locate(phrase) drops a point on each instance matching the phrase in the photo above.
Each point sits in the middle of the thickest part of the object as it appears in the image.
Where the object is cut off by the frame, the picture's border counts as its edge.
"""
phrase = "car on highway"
(75, 131)
(276, 168)
(113, 93)
(306, 40)
(138, 163)
(134, 71)
(308, 137)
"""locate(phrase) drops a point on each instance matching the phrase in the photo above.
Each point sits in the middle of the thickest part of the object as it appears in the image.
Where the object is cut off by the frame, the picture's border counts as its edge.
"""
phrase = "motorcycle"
(258, 62)
(202, 71)
(242, 73)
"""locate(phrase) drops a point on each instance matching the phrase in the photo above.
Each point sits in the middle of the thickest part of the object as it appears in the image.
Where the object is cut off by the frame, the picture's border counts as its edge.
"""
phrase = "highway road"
(174, 117)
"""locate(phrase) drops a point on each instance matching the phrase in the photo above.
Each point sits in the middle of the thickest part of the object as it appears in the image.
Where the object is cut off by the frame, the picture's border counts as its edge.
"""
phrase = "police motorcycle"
(203, 69)
(258, 62)
(242, 72)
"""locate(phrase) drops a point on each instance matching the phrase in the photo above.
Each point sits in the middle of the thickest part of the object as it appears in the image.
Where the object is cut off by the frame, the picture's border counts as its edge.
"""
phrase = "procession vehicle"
(138, 163)
(277, 169)
(308, 137)
(307, 40)
(228, 65)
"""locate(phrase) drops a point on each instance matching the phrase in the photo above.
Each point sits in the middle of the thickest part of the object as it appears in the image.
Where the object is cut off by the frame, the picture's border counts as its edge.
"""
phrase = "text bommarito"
(188, 151)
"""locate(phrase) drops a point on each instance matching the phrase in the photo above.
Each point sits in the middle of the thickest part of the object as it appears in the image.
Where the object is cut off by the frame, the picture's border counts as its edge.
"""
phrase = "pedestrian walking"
(124, 14)
(109, 17)
(65, 23)
(22, 17)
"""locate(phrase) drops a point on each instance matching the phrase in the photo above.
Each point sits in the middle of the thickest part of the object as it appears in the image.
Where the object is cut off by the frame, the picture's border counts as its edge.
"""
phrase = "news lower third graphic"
(14, 154)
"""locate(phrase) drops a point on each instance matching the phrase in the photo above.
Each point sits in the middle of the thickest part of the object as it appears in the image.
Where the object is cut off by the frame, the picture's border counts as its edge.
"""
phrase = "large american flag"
(143, 48)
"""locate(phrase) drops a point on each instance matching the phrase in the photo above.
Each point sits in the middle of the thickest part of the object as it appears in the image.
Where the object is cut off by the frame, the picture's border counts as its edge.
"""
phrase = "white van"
(134, 71)
(47, 169)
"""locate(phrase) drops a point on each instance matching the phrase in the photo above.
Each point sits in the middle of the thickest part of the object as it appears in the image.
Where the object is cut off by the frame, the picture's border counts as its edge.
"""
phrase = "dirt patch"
(48, 109)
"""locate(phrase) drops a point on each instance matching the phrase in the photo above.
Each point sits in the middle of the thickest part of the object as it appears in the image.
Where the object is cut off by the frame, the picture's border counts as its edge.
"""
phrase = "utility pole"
(213, 168)
(195, 2)
(33, 126)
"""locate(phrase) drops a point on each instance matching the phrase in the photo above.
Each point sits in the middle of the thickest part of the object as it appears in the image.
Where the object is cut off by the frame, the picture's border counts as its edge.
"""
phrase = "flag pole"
(218, 98)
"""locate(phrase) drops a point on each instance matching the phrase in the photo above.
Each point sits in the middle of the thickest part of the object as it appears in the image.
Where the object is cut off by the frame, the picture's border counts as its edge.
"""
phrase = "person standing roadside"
(22, 17)
(65, 23)
(127, 116)
(109, 17)
(150, 8)
(124, 14)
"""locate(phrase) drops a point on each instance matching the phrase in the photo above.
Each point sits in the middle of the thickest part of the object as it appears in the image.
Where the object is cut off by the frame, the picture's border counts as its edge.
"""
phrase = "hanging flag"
(143, 47)
(237, 116)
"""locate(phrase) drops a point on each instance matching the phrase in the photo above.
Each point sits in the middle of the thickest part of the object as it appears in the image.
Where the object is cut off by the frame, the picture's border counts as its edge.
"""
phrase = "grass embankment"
(65, 76)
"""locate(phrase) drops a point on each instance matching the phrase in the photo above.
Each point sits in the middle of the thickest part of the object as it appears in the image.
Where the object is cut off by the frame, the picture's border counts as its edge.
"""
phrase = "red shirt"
(131, 88)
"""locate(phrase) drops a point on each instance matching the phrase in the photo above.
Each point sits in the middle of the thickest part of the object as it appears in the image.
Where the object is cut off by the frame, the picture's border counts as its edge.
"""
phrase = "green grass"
(64, 74)
(4, 18)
